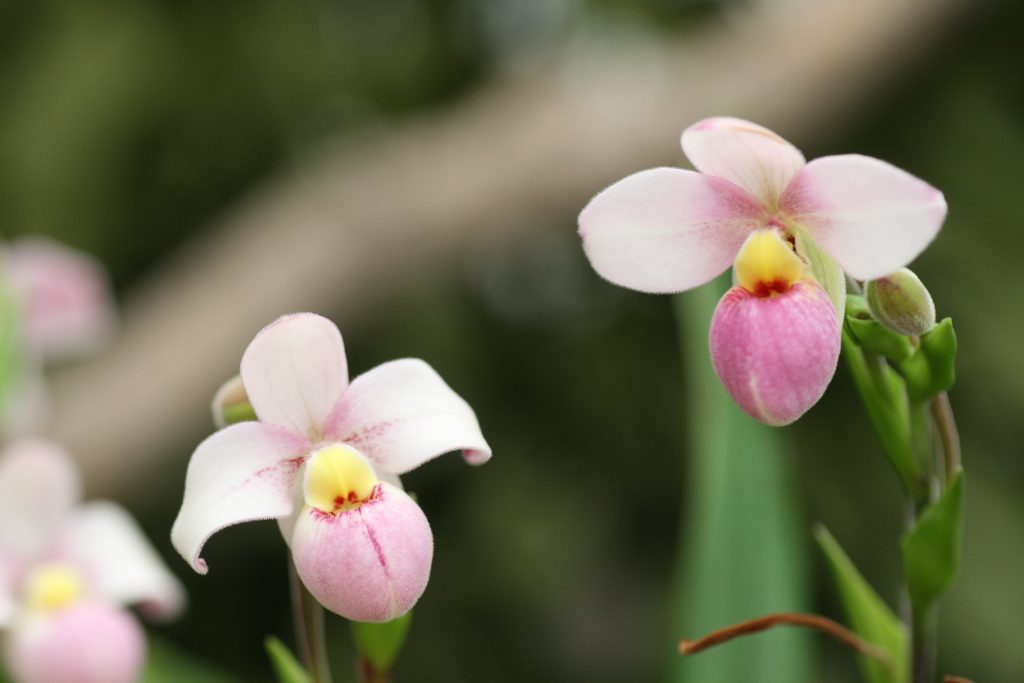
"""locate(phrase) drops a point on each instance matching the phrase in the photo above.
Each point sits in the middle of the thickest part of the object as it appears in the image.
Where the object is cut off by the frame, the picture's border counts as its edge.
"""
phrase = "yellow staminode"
(53, 586)
(338, 478)
(767, 264)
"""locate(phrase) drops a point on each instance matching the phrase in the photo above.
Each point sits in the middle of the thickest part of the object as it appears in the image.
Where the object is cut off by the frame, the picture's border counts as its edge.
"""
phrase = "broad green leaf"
(285, 665)
(931, 550)
(379, 644)
(824, 269)
(741, 553)
(167, 664)
(932, 368)
(868, 615)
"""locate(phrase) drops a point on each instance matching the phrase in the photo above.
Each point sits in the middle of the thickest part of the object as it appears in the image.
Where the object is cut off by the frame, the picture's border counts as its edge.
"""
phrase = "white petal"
(239, 474)
(401, 414)
(7, 592)
(67, 300)
(295, 371)
(666, 230)
(38, 486)
(111, 548)
(872, 217)
(743, 153)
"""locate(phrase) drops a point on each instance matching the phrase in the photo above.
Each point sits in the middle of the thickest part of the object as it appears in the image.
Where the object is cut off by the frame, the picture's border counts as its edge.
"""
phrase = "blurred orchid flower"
(324, 459)
(66, 572)
(63, 307)
(754, 202)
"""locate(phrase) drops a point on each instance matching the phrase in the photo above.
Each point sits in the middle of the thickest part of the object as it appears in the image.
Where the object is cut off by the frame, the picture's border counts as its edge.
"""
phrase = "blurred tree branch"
(370, 215)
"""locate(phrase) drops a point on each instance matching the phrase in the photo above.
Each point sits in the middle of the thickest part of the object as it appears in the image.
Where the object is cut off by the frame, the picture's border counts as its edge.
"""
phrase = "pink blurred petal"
(242, 473)
(38, 487)
(872, 217)
(401, 414)
(666, 230)
(371, 563)
(65, 293)
(775, 355)
(89, 642)
(743, 153)
(122, 566)
(295, 371)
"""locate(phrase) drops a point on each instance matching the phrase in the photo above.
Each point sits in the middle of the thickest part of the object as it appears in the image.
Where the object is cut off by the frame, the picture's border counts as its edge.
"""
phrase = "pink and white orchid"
(669, 230)
(323, 459)
(64, 307)
(66, 572)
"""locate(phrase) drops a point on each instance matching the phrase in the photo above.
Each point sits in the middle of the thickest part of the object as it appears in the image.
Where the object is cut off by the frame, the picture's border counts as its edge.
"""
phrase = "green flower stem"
(309, 628)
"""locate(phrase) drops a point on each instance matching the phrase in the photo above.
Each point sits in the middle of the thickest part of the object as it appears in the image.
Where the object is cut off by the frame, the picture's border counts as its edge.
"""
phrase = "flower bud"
(231, 404)
(901, 302)
(89, 642)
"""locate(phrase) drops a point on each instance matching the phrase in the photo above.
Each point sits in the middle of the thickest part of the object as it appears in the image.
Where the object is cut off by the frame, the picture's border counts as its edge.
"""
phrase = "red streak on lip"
(766, 289)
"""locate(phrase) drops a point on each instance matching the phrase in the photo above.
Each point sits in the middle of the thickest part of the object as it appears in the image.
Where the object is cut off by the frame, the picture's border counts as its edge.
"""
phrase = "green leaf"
(824, 269)
(285, 665)
(379, 644)
(11, 351)
(877, 338)
(932, 368)
(931, 550)
(167, 664)
(742, 553)
(867, 614)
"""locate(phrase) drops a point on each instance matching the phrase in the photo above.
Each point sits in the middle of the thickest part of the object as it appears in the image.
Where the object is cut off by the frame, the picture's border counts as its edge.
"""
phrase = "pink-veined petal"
(370, 563)
(295, 371)
(744, 153)
(872, 217)
(122, 566)
(89, 642)
(401, 414)
(38, 486)
(666, 230)
(65, 294)
(242, 473)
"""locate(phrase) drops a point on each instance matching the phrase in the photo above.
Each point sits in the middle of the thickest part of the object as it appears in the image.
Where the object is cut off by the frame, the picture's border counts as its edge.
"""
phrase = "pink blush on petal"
(370, 563)
(776, 354)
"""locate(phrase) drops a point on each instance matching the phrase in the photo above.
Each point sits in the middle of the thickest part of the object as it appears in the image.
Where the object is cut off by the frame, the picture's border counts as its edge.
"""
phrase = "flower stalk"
(309, 628)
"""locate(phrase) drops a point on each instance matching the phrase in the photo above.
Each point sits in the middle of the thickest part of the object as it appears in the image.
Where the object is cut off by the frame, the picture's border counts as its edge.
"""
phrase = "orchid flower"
(755, 203)
(323, 458)
(67, 571)
(64, 308)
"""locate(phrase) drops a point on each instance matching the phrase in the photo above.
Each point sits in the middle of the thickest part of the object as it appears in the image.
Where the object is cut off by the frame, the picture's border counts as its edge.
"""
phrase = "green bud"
(901, 302)
(231, 404)
(378, 646)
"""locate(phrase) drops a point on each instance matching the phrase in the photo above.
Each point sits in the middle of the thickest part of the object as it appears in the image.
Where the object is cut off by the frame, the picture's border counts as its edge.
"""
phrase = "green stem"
(308, 615)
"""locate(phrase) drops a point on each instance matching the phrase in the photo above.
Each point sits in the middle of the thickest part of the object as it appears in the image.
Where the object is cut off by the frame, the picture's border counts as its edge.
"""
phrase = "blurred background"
(413, 169)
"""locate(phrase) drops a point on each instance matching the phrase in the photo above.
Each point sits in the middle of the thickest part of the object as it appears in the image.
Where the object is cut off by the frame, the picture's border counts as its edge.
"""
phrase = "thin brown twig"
(942, 413)
(814, 621)
(957, 679)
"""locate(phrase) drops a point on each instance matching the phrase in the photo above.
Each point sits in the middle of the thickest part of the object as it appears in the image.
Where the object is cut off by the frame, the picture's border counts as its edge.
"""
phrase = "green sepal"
(878, 338)
(931, 550)
(932, 368)
(823, 268)
(286, 666)
(379, 644)
(868, 615)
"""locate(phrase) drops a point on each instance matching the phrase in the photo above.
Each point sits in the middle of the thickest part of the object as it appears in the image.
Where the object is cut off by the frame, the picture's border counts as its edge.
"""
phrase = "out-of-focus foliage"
(126, 127)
